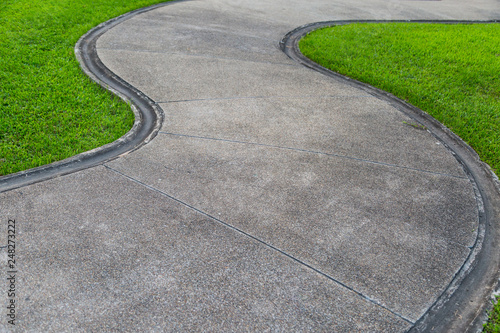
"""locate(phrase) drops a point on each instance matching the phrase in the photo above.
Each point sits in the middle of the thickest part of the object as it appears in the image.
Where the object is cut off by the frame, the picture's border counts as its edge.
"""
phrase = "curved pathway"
(273, 198)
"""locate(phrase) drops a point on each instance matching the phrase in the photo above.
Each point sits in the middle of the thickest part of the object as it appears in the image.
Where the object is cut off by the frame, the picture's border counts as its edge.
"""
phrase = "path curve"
(273, 197)
(148, 115)
(469, 284)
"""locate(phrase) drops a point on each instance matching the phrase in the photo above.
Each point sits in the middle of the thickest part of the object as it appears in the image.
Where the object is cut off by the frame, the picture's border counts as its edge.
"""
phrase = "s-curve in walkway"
(273, 197)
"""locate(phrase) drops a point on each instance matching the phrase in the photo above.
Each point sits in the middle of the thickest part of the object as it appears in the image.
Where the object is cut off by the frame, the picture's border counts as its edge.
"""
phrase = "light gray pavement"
(274, 198)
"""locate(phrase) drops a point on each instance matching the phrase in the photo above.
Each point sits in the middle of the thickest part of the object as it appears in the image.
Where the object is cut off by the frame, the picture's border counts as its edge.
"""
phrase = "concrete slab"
(360, 127)
(163, 77)
(99, 252)
(375, 228)
(296, 12)
(177, 30)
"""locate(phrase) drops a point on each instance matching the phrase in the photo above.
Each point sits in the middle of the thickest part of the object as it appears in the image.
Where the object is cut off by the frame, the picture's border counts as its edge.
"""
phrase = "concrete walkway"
(273, 198)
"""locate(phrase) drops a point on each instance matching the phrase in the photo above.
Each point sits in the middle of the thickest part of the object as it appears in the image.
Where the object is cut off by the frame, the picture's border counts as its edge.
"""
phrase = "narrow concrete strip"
(316, 123)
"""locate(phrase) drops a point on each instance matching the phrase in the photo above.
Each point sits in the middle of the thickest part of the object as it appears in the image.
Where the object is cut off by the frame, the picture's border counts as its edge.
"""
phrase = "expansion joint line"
(272, 247)
(314, 152)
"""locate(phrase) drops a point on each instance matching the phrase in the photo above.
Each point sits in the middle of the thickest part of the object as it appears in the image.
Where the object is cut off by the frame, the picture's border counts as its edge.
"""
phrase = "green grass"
(49, 109)
(493, 325)
(450, 71)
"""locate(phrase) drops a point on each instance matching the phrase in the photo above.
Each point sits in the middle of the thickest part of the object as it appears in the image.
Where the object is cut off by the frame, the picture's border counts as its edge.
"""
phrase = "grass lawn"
(49, 109)
(493, 325)
(449, 71)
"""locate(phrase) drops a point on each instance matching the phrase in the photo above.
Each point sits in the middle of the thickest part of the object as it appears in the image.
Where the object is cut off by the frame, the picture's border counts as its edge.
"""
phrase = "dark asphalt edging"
(148, 114)
(464, 304)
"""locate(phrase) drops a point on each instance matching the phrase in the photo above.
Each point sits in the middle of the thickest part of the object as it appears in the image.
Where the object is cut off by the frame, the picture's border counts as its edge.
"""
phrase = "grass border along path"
(448, 70)
(49, 109)
(451, 71)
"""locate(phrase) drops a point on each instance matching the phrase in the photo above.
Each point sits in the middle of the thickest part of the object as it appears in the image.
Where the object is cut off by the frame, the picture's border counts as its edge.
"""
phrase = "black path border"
(463, 306)
(148, 114)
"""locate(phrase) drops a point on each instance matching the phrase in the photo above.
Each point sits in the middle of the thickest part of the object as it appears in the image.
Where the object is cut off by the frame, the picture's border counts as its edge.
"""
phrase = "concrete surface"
(274, 198)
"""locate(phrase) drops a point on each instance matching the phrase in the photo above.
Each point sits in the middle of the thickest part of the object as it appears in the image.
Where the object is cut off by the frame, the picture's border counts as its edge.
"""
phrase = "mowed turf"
(49, 110)
(493, 324)
(450, 71)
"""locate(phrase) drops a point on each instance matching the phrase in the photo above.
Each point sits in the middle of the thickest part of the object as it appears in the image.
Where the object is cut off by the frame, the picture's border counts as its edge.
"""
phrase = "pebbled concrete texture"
(368, 226)
(273, 199)
(340, 125)
(106, 259)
